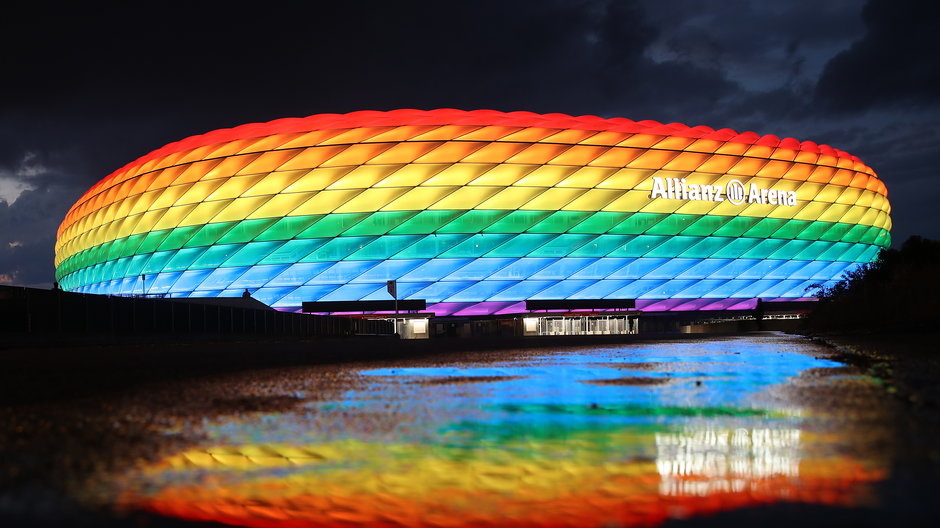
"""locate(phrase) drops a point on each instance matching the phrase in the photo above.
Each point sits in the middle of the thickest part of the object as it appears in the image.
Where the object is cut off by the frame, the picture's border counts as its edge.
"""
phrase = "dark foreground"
(753, 429)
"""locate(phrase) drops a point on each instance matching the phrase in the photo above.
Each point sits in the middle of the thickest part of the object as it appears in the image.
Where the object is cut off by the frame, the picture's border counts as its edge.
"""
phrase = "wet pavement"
(760, 428)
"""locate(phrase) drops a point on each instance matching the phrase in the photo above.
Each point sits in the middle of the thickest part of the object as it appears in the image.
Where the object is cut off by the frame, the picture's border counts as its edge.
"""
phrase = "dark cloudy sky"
(89, 88)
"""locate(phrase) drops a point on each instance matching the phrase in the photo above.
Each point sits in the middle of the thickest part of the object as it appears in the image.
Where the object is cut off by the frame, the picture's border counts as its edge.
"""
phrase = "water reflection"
(526, 441)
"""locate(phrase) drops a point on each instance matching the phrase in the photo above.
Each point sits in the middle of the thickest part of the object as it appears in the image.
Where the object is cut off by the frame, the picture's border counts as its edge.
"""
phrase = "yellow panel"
(617, 157)
(878, 201)
(280, 205)
(466, 197)
(401, 133)
(686, 161)
(273, 183)
(538, 153)
(497, 152)
(528, 135)
(412, 174)
(172, 217)
(312, 138)
(356, 154)
(785, 185)
(849, 196)
(854, 214)
(355, 135)
(870, 217)
(402, 153)
(371, 200)
(724, 208)
(312, 157)
(268, 161)
(459, 174)
(146, 220)
(642, 199)
(829, 193)
(229, 166)
(124, 207)
(510, 198)
(833, 213)
(317, 179)
(579, 155)
(489, 133)
(324, 202)
(143, 201)
(747, 166)
(865, 198)
(674, 143)
(419, 198)
(170, 195)
(606, 138)
(593, 200)
(571, 135)
(204, 212)
(364, 176)
(234, 186)
(445, 133)
(553, 199)
(774, 169)
(697, 207)
(653, 159)
(451, 152)
(627, 179)
(240, 208)
(587, 177)
(546, 175)
(811, 211)
(504, 174)
(757, 210)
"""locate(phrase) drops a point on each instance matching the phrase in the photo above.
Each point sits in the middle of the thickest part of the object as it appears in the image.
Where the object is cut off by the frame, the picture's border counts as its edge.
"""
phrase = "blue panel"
(601, 289)
(760, 269)
(734, 269)
(528, 289)
(671, 268)
(832, 270)
(636, 288)
(439, 291)
(667, 289)
(222, 277)
(189, 280)
(480, 291)
(389, 270)
(755, 288)
(801, 289)
(703, 269)
(564, 289)
(299, 273)
(700, 289)
(258, 276)
(561, 268)
(352, 292)
(305, 294)
(205, 293)
(479, 269)
(434, 269)
(730, 288)
(780, 288)
(522, 268)
(270, 296)
(408, 290)
(601, 268)
(786, 269)
(342, 272)
(809, 269)
(638, 268)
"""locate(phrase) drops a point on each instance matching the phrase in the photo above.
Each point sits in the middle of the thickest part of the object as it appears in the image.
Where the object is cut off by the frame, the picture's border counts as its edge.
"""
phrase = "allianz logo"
(735, 192)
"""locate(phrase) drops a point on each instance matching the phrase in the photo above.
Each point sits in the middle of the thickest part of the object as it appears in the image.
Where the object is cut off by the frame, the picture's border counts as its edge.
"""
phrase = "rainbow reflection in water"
(689, 429)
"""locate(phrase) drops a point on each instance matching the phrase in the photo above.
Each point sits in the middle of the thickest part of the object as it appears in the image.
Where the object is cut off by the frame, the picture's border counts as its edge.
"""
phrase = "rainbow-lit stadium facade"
(477, 212)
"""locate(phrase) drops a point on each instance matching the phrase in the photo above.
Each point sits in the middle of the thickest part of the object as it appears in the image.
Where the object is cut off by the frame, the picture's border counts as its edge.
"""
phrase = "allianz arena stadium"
(477, 212)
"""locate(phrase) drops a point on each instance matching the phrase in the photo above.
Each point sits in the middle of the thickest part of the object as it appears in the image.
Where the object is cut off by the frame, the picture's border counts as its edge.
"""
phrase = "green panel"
(136, 265)
(563, 245)
(215, 256)
(476, 246)
(384, 247)
(790, 250)
(287, 228)
(430, 246)
(672, 224)
(706, 225)
(736, 226)
(158, 261)
(560, 221)
(765, 228)
(293, 251)
(209, 234)
(736, 247)
(855, 233)
(178, 237)
(764, 248)
(813, 231)
(672, 247)
(871, 235)
(869, 254)
(184, 258)
(126, 246)
(637, 247)
(836, 252)
(252, 253)
(379, 223)
(638, 223)
(107, 271)
(814, 250)
(601, 246)
(836, 232)
(599, 222)
(706, 247)
(332, 225)
(521, 245)
(425, 222)
(517, 221)
(338, 249)
(246, 230)
(791, 229)
(474, 221)
(152, 241)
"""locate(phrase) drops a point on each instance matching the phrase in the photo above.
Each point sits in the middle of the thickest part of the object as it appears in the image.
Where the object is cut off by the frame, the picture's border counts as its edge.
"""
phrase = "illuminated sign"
(735, 192)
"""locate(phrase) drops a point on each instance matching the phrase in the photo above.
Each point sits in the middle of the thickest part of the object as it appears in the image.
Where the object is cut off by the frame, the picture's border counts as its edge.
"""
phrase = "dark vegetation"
(898, 292)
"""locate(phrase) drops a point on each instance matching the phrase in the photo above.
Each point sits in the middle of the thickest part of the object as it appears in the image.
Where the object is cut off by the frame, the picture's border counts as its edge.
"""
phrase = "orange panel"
(488, 133)
(495, 152)
(640, 141)
(570, 136)
(686, 161)
(821, 174)
(451, 152)
(617, 157)
(538, 153)
(579, 155)
(268, 161)
(312, 157)
(718, 164)
(774, 169)
(407, 152)
(798, 171)
(653, 159)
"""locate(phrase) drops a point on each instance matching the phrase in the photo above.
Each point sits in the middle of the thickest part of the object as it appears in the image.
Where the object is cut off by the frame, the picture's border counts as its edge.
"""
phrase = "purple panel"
(518, 307)
(442, 309)
(485, 308)
(720, 304)
(743, 304)
(694, 304)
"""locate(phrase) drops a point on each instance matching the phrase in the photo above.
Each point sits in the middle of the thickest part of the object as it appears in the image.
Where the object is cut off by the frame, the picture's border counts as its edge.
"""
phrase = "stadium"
(476, 213)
